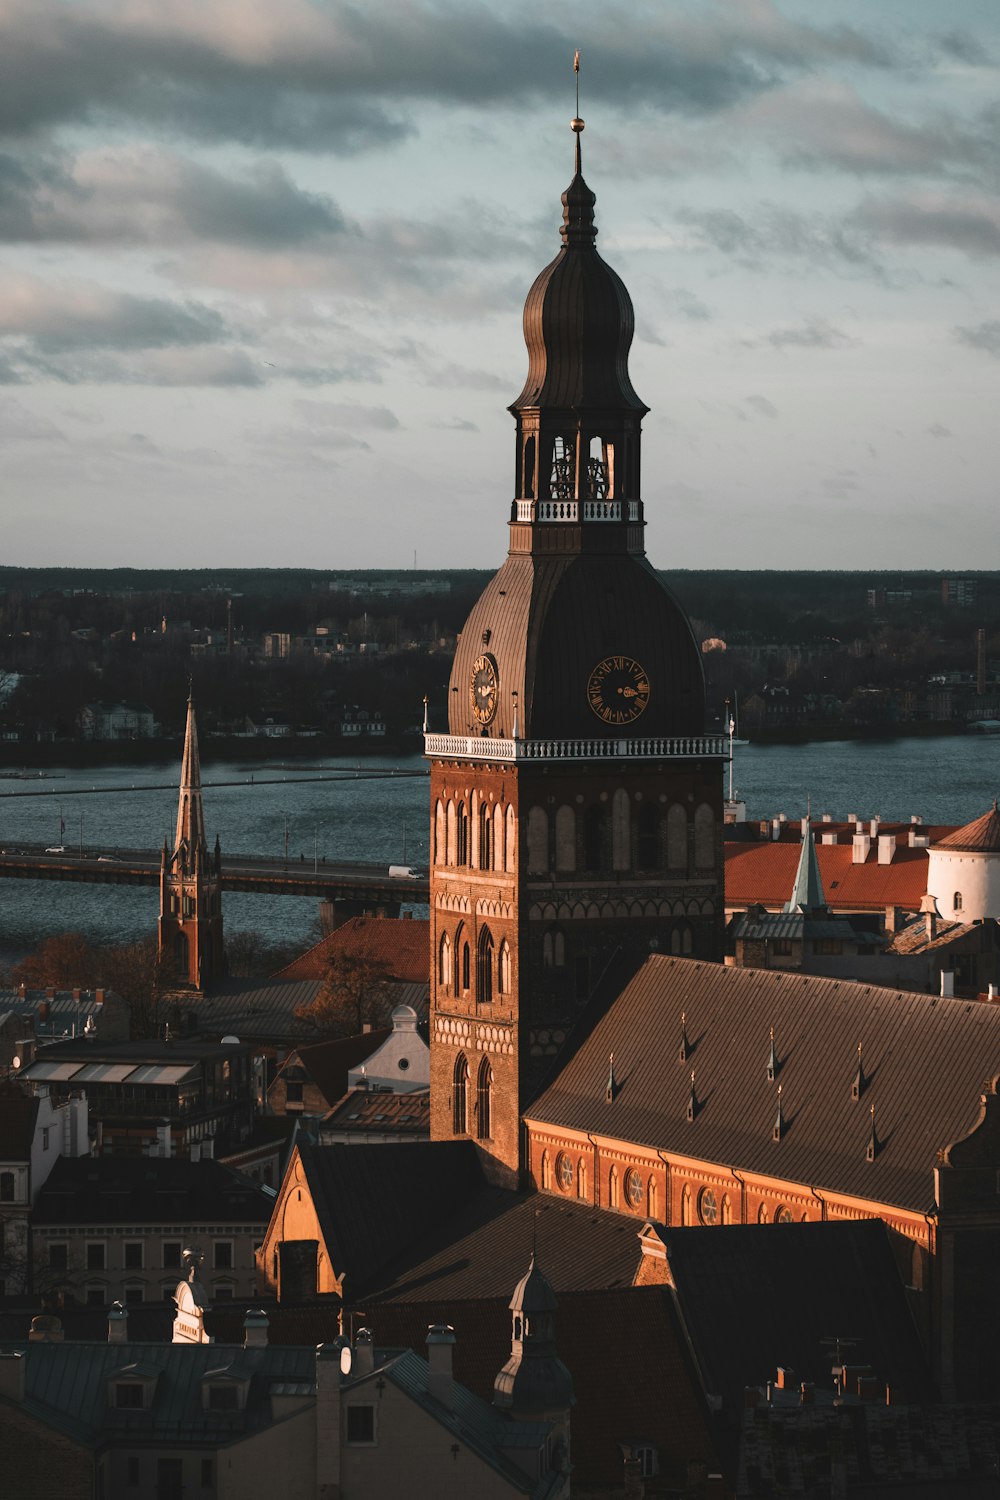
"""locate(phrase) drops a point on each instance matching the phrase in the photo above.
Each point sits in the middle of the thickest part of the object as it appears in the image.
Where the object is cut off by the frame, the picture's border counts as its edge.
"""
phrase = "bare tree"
(356, 989)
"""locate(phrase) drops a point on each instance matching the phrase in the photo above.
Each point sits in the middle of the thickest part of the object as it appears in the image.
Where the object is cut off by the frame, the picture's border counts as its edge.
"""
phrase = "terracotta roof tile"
(925, 1059)
(765, 873)
(402, 944)
(981, 836)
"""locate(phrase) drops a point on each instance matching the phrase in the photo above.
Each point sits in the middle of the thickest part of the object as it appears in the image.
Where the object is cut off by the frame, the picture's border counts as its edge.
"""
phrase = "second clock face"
(618, 689)
(483, 688)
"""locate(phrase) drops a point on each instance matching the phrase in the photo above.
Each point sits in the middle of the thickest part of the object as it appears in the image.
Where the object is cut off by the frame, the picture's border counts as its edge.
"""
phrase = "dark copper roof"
(551, 620)
(926, 1060)
(578, 322)
(982, 836)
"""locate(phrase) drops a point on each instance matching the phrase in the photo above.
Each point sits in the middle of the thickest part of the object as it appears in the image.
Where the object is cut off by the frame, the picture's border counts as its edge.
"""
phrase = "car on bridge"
(56, 849)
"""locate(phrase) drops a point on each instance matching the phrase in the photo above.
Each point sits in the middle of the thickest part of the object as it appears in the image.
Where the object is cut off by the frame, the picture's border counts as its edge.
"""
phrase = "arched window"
(917, 1269)
(485, 837)
(484, 968)
(528, 470)
(462, 853)
(460, 1097)
(687, 1215)
(599, 480)
(440, 835)
(484, 1100)
(677, 837)
(704, 837)
(445, 962)
(451, 854)
(511, 841)
(457, 957)
(581, 1180)
(614, 1189)
(546, 1170)
(7, 1185)
(182, 954)
(687, 941)
(956, 901)
(727, 1210)
(621, 830)
(652, 1199)
(782, 1215)
(762, 1214)
(538, 841)
(593, 837)
(553, 949)
(498, 826)
(647, 854)
(565, 838)
(503, 969)
(466, 967)
(562, 480)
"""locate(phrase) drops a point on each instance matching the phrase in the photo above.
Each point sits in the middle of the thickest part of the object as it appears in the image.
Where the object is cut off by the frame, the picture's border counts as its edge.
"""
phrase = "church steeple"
(807, 892)
(578, 416)
(190, 926)
(534, 1384)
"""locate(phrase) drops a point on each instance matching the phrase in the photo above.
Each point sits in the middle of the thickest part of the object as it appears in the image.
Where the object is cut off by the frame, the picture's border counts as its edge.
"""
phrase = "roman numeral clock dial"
(483, 689)
(618, 690)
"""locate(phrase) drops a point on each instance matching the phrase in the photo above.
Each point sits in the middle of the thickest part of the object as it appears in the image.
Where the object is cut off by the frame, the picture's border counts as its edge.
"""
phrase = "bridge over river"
(361, 886)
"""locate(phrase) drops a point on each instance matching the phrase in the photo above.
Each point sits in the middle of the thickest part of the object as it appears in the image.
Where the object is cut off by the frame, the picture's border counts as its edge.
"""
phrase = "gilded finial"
(576, 124)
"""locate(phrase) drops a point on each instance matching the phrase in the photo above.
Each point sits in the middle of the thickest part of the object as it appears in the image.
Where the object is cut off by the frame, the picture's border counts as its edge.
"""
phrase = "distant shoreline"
(167, 752)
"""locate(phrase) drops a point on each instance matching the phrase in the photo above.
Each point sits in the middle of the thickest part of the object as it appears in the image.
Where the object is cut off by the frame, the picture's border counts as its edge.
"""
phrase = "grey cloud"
(152, 367)
(984, 336)
(964, 47)
(776, 235)
(458, 424)
(336, 76)
(971, 226)
(763, 406)
(939, 430)
(322, 414)
(19, 424)
(463, 377)
(817, 334)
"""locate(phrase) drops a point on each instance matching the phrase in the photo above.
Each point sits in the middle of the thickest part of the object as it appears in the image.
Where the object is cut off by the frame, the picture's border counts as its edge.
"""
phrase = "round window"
(564, 1171)
(708, 1207)
(783, 1216)
(633, 1188)
(403, 1064)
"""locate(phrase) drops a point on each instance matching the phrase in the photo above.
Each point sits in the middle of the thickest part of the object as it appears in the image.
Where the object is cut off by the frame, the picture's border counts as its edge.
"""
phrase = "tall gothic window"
(704, 837)
(460, 1097)
(528, 474)
(687, 1208)
(677, 837)
(484, 1123)
(463, 835)
(484, 968)
(538, 841)
(562, 484)
(647, 837)
(485, 837)
(466, 967)
(511, 841)
(614, 1189)
(440, 835)
(503, 969)
(459, 944)
(445, 962)
(593, 837)
(181, 953)
(498, 827)
(565, 838)
(451, 854)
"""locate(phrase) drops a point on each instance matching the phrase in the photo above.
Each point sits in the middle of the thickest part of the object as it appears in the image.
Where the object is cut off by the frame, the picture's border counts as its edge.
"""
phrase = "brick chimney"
(255, 1326)
(117, 1323)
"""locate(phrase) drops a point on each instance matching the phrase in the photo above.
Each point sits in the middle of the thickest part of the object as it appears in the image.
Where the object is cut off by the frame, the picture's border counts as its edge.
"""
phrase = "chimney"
(255, 1326)
(928, 907)
(12, 1365)
(947, 984)
(827, 817)
(873, 826)
(76, 995)
(50, 993)
(860, 845)
(804, 826)
(807, 1393)
(991, 993)
(786, 1378)
(366, 1026)
(99, 995)
(163, 1138)
(893, 919)
(440, 1344)
(117, 1323)
(331, 1360)
(364, 1352)
(775, 828)
(208, 1148)
(886, 848)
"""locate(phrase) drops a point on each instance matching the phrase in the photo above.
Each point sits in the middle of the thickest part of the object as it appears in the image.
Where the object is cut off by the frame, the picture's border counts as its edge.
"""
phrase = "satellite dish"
(345, 1361)
(230, 1041)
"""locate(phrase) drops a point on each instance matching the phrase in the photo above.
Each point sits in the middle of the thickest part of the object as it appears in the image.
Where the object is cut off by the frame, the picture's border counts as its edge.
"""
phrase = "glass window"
(97, 1256)
(129, 1396)
(783, 1216)
(293, 1093)
(460, 1096)
(171, 1253)
(7, 1180)
(132, 1257)
(361, 1424)
(223, 1255)
(58, 1257)
(94, 1296)
(564, 1172)
(207, 1473)
(223, 1398)
(134, 1294)
(132, 1471)
(633, 1188)
(708, 1207)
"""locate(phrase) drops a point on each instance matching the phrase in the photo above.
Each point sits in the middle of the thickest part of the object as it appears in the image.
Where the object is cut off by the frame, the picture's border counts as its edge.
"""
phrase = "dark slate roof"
(178, 1050)
(261, 1009)
(389, 1114)
(135, 1190)
(482, 1246)
(66, 1387)
(926, 1060)
(18, 1113)
(328, 1063)
(370, 1199)
(753, 1297)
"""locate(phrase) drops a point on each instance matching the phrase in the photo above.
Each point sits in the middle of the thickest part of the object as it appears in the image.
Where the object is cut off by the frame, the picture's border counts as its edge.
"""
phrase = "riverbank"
(81, 754)
(821, 732)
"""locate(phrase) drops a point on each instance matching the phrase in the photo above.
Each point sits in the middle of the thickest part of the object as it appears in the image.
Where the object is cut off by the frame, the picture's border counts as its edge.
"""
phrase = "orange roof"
(765, 874)
(982, 836)
(401, 944)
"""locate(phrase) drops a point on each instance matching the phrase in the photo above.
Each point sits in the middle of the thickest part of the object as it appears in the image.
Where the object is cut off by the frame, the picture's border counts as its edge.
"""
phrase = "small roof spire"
(692, 1108)
(871, 1150)
(858, 1086)
(576, 124)
(684, 1051)
(612, 1081)
(772, 1061)
(779, 1123)
(807, 892)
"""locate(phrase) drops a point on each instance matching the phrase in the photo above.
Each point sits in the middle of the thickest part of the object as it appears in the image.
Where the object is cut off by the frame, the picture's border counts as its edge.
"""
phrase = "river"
(947, 780)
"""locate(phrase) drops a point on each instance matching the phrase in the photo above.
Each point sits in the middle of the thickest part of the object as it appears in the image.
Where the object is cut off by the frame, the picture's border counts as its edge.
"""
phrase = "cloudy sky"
(263, 268)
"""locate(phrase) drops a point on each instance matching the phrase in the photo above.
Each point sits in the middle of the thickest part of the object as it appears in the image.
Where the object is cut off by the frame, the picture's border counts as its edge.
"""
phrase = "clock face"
(618, 690)
(483, 688)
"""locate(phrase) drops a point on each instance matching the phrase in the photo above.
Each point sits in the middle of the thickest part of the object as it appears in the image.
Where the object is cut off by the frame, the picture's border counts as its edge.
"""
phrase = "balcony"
(483, 747)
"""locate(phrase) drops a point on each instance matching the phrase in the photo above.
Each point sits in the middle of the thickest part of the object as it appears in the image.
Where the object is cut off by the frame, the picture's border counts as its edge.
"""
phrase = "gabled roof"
(758, 1296)
(925, 1061)
(150, 1190)
(371, 1199)
(389, 1114)
(327, 1063)
(261, 1009)
(981, 836)
(765, 873)
(401, 945)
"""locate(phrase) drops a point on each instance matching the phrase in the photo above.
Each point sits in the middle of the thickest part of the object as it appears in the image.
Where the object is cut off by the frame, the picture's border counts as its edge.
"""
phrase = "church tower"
(190, 927)
(576, 801)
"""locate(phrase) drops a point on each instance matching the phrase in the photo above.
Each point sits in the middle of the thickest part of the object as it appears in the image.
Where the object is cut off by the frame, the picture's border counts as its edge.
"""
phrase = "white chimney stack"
(364, 1353)
(947, 984)
(117, 1323)
(860, 844)
(440, 1344)
(886, 848)
(255, 1326)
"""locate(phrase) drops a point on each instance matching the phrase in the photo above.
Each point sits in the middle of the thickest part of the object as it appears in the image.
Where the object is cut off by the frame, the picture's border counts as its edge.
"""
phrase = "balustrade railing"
(483, 747)
(572, 511)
